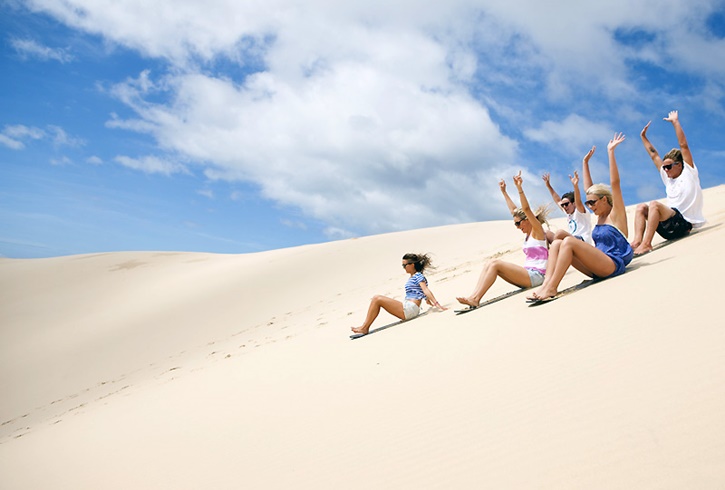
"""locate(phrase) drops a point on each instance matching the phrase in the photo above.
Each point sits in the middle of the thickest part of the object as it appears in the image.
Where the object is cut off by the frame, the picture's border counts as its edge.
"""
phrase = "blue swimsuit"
(610, 240)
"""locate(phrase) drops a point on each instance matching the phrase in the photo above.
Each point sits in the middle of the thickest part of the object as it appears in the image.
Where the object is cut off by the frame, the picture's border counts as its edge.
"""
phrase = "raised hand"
(643, 134)
(672, 117)
(575, 179)
(615, 141)
(546, 178)
(589, 154)
(502, 185)
(518, 180)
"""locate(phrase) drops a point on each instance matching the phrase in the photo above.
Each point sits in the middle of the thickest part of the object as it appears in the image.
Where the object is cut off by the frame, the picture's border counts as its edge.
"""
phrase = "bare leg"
(390, 305)
(658, 212)
(640, 220)
(596, 262)
(550, 266)
(511, 273)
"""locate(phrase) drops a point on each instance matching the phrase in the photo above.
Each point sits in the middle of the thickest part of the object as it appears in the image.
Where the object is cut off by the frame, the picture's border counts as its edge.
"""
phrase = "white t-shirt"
(580, 224)
(685, 194)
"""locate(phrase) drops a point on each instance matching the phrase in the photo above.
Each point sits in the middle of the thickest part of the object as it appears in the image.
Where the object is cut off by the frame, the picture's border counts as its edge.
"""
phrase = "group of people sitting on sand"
(599, 252)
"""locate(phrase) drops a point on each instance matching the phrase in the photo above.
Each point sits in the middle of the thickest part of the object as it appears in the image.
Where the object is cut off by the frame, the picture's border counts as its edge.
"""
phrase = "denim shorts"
(410, 309)
(537, 278)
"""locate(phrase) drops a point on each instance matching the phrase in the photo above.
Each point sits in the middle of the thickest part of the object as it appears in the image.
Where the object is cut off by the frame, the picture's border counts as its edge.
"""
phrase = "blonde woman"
(531, 274)
(611, 251)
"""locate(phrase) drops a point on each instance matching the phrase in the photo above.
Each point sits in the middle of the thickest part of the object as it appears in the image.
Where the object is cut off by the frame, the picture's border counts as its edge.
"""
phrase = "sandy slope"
(179, 370)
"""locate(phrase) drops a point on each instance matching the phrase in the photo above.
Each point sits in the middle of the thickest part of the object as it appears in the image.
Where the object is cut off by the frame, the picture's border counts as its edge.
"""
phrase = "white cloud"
(94, 160)
(28, 48)
(573, 134)
(61, 138)
(208, 193)
(152, 165)
(372, 117)
(11, 143)
(13, 136)
(61, 161)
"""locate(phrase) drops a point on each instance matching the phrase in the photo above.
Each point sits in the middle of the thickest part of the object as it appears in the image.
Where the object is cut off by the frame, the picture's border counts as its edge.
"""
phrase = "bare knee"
(493, 265)
(569, 242)
(643, 209)
(560, 234)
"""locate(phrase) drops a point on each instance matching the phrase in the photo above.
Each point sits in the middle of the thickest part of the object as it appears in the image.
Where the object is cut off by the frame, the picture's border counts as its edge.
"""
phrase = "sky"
(230, 126)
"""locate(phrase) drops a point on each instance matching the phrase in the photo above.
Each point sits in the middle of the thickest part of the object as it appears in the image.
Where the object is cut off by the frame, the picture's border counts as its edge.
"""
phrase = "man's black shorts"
(674, 227)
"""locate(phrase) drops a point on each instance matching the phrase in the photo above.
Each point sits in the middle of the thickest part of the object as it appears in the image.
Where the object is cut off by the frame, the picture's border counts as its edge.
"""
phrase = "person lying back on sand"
(531, 274)
(416, 290)
(611, 251)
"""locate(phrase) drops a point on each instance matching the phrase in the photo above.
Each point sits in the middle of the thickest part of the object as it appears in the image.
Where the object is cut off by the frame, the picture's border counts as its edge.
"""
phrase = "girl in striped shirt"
(416, 290)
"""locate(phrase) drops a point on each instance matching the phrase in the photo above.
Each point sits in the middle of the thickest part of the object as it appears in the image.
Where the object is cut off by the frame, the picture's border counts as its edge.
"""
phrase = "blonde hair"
(541, 213)
(601, 190)
(674, 154)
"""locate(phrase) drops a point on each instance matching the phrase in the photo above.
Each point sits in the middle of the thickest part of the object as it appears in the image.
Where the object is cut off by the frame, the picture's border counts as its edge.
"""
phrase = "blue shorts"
(537, 278)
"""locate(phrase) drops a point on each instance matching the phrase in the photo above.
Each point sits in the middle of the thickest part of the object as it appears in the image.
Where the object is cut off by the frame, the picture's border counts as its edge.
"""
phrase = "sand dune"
(188, 371)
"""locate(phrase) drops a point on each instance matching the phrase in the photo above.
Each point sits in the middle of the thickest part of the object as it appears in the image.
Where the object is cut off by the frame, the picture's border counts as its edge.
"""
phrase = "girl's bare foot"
(361, 330)
(467, 301)
(545, 293)
(641, 250)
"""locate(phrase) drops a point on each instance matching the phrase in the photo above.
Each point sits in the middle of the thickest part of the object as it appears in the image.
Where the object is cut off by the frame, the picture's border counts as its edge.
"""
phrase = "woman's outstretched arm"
(577, 195)
(651, 151)
(509, 202)
(586, 174)
(537, 231)
(429, 298)
(619, 213)
(674, 118)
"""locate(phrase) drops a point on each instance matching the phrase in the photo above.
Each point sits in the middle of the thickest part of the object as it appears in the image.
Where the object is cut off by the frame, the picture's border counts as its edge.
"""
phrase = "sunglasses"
(669, 166)
(565, 204)
(592, 202)
(518, 223)
(407, 264)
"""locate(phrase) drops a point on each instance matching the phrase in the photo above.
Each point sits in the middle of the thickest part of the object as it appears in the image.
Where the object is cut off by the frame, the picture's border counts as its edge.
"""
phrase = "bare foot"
(545, 293)
(635, 244)
(361, 330)
(467, 301)
(641, 250)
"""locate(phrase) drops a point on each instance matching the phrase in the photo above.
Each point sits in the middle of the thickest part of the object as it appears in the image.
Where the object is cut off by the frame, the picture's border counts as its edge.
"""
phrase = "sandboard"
(565, 292)
(384, 327)
(490, 301)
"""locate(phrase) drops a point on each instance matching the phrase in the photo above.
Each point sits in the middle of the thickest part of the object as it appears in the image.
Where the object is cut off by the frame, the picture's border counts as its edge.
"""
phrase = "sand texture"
(147, 370)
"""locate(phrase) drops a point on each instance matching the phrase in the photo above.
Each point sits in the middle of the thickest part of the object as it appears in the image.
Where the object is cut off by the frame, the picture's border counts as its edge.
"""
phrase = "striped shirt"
(412, 287)
(536, 254)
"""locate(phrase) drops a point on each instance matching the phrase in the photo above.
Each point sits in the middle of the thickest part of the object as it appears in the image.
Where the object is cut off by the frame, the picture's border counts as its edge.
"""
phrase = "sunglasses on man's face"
(669, 166)
(564, 204)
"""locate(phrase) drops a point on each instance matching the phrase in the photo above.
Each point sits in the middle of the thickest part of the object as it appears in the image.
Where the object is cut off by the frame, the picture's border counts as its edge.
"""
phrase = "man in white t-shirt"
(683, 210)
(578, 220)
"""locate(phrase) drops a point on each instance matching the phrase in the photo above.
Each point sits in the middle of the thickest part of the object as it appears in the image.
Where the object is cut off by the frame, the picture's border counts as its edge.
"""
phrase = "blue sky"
(237, 127)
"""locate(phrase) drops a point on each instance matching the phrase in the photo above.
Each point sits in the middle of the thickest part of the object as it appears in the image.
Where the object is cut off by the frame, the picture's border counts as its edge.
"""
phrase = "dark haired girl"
(416, 290)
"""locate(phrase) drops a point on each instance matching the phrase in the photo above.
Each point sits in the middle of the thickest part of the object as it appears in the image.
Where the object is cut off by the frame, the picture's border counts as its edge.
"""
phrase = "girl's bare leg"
(511, 273)
(550, 266)
(589, 258)
(390, 305)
